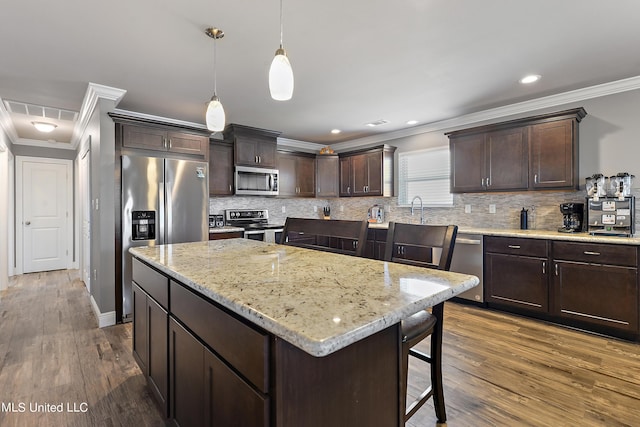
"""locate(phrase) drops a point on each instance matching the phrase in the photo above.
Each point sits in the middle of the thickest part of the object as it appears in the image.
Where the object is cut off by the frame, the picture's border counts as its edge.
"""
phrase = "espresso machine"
(610, 211)
(572, 217)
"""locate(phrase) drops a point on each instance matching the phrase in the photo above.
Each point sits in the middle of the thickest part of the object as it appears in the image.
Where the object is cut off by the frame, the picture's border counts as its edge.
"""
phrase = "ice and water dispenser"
(143, 225)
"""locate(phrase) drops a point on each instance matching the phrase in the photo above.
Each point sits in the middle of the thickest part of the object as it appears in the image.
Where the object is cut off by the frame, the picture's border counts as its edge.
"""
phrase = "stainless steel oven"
(255, 223)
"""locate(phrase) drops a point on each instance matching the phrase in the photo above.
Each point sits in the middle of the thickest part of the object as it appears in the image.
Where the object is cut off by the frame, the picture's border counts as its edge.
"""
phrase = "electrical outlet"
(315, 209)
(284, 210)
(492, 208)
(387, 208)
(467, 208)
(341, 208)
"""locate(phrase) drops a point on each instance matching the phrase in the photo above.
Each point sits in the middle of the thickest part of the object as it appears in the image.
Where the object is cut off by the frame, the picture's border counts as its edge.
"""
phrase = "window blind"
(425, 173)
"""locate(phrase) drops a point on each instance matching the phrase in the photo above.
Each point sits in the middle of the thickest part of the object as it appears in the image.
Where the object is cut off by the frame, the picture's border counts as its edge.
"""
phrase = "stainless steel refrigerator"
(163, 201)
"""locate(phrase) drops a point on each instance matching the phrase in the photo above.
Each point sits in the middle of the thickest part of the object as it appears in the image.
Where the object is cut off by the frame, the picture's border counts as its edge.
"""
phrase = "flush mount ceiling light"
(412, 122)
(335, 131)
(531, 78)
(44, 127)
(215, 112)
(280, 73)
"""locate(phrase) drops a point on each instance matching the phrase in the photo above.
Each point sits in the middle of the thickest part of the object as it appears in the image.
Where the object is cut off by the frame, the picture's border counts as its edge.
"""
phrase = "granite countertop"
(539, 234)
(318, 301)
(226, 229)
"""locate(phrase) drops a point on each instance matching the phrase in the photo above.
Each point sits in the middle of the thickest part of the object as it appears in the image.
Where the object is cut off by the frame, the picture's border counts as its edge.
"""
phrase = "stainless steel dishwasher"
(467, 258)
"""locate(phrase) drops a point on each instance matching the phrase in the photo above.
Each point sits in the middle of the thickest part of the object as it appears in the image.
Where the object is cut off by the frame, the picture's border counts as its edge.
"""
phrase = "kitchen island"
(266, 334)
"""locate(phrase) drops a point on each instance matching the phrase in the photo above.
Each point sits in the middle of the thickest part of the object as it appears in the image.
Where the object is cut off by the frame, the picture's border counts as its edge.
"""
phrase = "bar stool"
(339, 236)
(420, 245)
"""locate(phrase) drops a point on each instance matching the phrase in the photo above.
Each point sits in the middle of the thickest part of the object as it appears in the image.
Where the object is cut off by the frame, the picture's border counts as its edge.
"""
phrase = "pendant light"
(215, 112)
(280, 73)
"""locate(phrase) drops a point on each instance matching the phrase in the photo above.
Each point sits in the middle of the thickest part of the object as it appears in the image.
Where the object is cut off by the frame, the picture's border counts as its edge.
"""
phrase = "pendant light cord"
(280, 24)
(215, 65)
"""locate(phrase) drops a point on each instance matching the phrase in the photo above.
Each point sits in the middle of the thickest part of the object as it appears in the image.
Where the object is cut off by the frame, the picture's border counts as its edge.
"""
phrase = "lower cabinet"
(516, 273)
(205, 391)
(591, 286)
(596, 286)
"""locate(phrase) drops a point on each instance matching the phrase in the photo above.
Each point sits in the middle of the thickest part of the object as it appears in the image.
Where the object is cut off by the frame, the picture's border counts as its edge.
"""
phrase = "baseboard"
(104, 319)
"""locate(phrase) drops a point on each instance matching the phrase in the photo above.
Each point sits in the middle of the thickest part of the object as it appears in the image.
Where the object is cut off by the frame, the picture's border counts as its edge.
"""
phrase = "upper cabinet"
(327, 172)
(367, 173)
(526, 154)
(296, 174)
(220, 168)
(253, 147)
(158, 136)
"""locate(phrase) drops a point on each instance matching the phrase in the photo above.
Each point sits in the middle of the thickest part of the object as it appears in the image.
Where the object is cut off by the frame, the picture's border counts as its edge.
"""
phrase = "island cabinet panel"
(516, 273)
(352, 382)
(150, 346)
(596, 287)
(240, 345)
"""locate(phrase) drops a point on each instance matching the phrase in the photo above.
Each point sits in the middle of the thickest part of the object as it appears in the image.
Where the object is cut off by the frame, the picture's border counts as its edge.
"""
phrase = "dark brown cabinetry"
(225, 235)
(367, 173)
(596, 286)
(220, 168)
(526, 154)
(252, 146)
(150, 346)
(516, 273)
(376, 243)
(297, 174)
(162, 139)
(327, 173)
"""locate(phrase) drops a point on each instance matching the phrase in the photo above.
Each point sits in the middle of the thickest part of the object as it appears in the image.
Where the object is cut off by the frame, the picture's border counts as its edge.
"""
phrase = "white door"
(45, 214)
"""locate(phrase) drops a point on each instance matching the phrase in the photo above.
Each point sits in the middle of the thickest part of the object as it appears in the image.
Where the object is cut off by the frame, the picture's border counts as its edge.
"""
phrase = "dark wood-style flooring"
(499, 369)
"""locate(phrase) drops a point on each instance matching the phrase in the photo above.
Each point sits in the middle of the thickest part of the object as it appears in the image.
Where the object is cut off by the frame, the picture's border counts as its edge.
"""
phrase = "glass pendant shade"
(281, 77)
(215, 115)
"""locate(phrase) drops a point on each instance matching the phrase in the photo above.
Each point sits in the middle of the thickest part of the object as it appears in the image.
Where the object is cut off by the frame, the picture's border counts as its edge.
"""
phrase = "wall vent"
(18, 107)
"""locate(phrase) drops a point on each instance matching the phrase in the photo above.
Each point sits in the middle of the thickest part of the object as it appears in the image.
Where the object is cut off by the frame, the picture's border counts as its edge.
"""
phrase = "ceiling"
(354, 62)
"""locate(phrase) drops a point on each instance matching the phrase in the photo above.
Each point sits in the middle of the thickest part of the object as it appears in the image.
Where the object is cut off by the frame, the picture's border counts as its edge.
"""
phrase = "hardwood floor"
(53, 353)
(499, 369)
(504, 370)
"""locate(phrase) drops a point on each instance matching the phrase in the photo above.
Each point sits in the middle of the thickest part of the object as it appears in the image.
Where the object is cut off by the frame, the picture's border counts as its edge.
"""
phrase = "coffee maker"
(572, 217)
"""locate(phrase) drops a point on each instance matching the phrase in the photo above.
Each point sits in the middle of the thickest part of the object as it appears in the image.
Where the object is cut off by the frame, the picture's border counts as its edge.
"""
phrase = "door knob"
(27, 223)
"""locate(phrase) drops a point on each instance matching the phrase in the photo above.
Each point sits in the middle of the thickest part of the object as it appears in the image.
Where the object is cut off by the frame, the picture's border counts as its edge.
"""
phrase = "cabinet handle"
(544, 267)
(514, 246)
(556, 269)
(488, 182)
(535, 178)
(591, 253)
(164, 142)
(169, 143)
(348, 190)
(482, 183)
(230, 188)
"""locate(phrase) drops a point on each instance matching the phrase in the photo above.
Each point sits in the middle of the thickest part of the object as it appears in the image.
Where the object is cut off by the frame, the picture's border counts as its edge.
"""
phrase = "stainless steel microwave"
(251, 181)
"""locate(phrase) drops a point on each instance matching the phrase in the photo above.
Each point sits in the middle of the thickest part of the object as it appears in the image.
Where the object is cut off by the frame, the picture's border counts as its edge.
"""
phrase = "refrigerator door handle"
(161, 214)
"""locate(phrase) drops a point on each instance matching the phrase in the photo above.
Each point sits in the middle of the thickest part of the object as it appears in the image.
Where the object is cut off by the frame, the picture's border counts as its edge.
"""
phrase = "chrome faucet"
(421, 208)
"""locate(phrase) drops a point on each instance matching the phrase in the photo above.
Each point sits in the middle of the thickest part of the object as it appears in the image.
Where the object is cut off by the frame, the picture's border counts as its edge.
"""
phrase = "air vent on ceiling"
(18, 107)
(378, 123)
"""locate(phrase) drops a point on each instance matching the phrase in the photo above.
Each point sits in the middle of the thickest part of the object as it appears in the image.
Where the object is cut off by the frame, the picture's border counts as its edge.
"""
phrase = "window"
(425, 173)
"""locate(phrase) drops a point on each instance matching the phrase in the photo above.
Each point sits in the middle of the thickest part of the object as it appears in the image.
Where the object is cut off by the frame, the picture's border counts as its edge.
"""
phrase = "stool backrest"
(422, 245)
(340, 236)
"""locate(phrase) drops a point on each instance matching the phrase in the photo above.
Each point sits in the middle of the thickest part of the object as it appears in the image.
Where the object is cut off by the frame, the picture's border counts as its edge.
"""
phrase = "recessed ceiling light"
(335, 131)
(412, 122)
(377, 123)
(44, 127)
(531, 78)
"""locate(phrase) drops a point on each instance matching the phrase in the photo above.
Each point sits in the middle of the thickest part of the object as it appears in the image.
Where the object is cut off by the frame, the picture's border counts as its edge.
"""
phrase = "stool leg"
(436, 364)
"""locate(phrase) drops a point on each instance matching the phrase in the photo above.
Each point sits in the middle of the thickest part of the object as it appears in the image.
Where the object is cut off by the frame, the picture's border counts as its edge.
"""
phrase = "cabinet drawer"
(516, 246)
(242, 346)
(596, 253)
(152, 282)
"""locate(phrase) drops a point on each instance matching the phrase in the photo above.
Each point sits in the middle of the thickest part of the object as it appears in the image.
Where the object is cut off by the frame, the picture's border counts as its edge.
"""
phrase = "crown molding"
(94, 92)
(7, 124)
(311, 147)
(152, 118)
(45, 144)
(597, 91)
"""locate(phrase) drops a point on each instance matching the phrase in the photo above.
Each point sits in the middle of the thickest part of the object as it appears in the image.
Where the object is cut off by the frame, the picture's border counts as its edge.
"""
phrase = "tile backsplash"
(543, 207)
